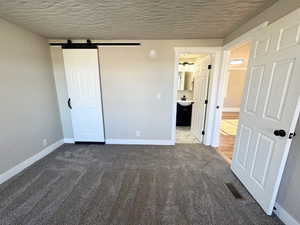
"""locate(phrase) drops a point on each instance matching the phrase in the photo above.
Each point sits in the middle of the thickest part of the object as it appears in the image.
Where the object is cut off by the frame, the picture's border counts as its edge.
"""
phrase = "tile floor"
(184, 135)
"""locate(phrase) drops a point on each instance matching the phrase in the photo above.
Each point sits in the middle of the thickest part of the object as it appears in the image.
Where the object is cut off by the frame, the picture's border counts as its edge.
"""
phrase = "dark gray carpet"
(130, 185)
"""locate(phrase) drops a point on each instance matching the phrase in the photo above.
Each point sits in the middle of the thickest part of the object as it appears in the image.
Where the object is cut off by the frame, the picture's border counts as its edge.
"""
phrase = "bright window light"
(236, 61)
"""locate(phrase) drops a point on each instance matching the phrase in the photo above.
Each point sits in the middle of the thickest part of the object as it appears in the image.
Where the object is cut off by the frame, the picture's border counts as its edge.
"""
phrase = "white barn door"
(83, 81)
(270, 109)
(200, 92)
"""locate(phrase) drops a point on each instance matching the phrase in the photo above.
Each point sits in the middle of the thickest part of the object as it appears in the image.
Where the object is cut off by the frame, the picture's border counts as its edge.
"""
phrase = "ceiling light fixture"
(236, 61)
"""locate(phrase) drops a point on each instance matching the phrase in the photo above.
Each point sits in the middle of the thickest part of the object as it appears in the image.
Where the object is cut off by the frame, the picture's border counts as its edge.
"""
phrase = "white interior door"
(200, 91)
(270, 109)
(83, 81)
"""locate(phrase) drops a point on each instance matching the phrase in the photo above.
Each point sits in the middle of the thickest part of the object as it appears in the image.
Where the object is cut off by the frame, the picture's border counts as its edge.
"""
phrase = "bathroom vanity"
(184, 113)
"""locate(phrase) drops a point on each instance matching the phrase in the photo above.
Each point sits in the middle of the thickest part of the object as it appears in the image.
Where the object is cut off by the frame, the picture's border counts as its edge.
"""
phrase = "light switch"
(158, 96)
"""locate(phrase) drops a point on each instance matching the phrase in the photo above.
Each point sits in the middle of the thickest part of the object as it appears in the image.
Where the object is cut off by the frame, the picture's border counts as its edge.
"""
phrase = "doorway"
(207, 128)
(192, 93)
(233, 92)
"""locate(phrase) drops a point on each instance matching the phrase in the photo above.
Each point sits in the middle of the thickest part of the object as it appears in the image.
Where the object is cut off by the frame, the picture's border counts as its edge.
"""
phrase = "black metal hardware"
(291, 135)
(280, 133)
(206, 101)
(89, 142)
(217, 107)
(90, 45)
(69, 103)
(185, 63)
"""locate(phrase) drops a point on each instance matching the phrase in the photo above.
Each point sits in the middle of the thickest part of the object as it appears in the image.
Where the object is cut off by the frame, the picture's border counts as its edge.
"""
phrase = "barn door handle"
(280, 133)
(69, 103)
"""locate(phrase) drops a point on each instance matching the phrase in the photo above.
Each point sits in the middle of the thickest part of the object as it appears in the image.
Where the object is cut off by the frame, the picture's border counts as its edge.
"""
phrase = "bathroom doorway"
(233, 92)
(194, 71)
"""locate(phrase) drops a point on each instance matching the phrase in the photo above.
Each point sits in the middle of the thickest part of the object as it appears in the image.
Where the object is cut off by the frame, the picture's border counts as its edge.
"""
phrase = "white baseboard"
(69, 140)
(139, 142)
(231, 109)
(284, 216)
(23, 165)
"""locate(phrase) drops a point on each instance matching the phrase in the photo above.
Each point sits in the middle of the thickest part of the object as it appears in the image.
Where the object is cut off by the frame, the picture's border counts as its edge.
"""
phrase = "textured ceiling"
(131, 19)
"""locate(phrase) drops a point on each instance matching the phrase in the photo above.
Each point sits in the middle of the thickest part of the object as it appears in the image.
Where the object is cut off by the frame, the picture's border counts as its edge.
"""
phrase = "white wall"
(28, 111)
(289, 191)
(131, 82)
(235, 88)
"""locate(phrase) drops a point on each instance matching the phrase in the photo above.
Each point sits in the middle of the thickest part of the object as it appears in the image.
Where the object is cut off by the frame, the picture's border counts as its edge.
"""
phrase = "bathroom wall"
(188, 94)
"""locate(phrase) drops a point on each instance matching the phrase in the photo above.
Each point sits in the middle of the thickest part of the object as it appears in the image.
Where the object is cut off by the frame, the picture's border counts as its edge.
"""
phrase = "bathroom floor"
(184, 135)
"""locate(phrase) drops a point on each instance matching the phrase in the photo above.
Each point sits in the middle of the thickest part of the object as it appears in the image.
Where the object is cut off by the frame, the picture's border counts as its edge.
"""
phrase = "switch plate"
(138, 133)
(158, 96)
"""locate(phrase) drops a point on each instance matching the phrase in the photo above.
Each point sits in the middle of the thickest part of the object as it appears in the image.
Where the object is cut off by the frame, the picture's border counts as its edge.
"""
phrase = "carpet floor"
(128, 185)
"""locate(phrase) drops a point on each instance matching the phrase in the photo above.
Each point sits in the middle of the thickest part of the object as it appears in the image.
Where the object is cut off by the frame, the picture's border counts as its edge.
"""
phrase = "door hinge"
(206, 102)
(291, 135)
(209, 67)
(203, 132)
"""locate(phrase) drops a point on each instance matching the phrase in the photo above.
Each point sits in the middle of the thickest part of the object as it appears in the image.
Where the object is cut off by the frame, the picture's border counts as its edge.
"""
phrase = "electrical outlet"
(45, 142)
(138, 133)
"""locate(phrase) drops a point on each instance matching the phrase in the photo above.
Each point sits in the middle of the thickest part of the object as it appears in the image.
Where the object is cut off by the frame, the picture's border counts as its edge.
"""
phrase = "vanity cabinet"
(184, 115)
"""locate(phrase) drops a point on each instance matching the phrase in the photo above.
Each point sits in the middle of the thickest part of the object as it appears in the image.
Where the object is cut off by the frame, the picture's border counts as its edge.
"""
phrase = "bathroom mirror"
(185, 81)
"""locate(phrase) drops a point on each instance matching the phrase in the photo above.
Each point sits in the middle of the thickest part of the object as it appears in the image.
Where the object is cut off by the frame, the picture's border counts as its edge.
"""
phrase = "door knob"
(280, 133)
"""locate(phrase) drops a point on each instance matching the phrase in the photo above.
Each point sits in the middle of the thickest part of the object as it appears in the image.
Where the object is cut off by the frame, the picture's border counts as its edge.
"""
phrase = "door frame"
(216, 53)
(224, 77)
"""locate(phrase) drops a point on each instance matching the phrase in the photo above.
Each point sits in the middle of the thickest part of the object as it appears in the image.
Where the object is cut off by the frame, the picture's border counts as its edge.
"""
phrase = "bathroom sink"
(185, 103)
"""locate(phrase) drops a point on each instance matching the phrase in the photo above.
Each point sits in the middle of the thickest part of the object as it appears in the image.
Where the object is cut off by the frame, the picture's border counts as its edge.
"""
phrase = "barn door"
(82, 73)
(270, 109)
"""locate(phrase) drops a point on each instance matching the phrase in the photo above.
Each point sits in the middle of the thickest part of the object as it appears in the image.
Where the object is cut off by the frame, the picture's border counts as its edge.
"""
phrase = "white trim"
(231, 109)
(28, 162)
(114, 141)
(284, 216)
(69, 140)
(216, 53)
(224, 77)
